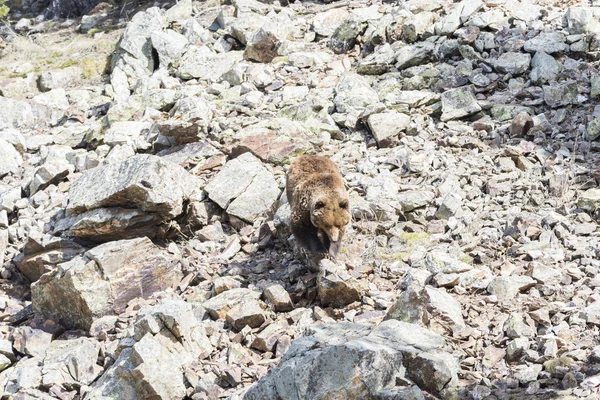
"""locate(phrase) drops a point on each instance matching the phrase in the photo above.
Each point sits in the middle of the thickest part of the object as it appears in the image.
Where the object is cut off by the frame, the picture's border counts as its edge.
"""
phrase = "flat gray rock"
(507, 287)
(170, 46)
(60, 78)
(458, 103)
(244, 188)
(349, 353)
(146, 182)
(582, 20)
(561, 94)
(547, 42)
(201, 63)
(544, 68)
(386, 127)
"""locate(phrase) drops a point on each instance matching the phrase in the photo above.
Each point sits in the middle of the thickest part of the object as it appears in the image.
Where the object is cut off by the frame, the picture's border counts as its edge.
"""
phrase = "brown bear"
(320, 208)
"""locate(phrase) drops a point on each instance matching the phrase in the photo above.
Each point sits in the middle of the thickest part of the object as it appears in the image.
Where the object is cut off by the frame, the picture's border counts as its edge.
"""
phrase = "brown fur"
(319, 204)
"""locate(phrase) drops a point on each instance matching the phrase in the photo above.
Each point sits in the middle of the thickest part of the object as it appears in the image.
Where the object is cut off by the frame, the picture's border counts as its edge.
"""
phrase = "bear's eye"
(319, 204)
(344, 204)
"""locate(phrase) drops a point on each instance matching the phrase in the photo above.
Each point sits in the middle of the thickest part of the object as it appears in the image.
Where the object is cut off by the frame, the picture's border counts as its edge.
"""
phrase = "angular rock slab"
(11, 159)
(386, 127)
(590, 200)
(102, 282)
(71, 362)
(174, 317)
(355, 361)
(513, 63)
(32, 342)
(547, 42)
(145, 182)
(582, 20)
(141, 372)
(420, 306)
(353, 92)
(23, 375)
(169, 45)
(167, 338)
(562, 94)
(17, 113)
(42, 253)
(244, 188)
(507, 287)
(60, 79)
(353, 95)
(202, 63)
(219, 305)
(107, 224)
(245, 26)
(134, 52)
(325, 23)
(336, 286)
(544, 68)
(459, 103)
(344, 37)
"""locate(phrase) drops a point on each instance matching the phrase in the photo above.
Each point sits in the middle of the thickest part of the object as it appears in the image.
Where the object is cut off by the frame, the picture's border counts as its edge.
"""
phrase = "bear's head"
(330, 213)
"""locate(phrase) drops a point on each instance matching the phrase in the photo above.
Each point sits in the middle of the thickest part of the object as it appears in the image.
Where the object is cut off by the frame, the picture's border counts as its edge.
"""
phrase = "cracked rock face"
(359, 361)
(76, 292)
(139, 181)
(244, 188)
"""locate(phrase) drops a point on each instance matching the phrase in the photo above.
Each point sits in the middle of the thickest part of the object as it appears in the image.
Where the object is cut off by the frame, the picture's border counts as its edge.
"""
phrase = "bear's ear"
(319, 204)
(344, 204)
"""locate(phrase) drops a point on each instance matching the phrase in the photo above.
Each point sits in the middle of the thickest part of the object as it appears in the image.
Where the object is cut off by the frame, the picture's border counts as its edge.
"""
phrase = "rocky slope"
(143, 224)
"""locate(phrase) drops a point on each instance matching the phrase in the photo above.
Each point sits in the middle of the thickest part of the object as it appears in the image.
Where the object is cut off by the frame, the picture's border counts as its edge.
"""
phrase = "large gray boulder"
(336, 287)
(344, 37)
(65, 363)
(60, 78)
(145, 182)
(170, 46)
(22, 114)
(417, 54)
(189, 122)
(561, 94)
(386, 127)
(582, 20)
(513, 63)
(200, 62)
(134, 54)
(544, 68)
(548, 42)
(326, 23)
(106, 224)
(71, 362)
(420, 305)
(458, 103)
(102, 281)
(244, 188)
(353, 95)
(245, 26)
(355, 361)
